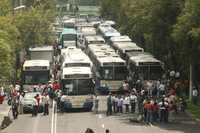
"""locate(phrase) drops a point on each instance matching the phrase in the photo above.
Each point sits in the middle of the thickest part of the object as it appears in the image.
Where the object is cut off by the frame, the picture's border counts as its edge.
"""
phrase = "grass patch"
(194, 109)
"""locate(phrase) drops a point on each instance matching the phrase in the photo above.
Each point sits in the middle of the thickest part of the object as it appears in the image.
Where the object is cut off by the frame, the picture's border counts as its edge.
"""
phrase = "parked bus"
(109, 69)
(124, 47)
(144, 66)
(68, 37)
(107, 31)
(35, 73)
(94, 40)
(78, 86)
(75, 58)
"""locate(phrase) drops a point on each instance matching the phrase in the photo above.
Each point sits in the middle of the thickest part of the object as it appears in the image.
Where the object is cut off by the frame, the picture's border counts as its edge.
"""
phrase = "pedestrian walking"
(96, 104)
(133, 100)
(15, 107)
(109, 105)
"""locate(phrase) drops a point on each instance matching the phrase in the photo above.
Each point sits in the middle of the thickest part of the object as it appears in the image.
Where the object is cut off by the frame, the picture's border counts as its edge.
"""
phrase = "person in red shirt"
(56, 86)
(38, 101)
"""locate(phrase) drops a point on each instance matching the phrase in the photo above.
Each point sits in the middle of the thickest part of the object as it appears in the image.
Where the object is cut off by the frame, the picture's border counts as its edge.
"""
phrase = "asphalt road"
(77, 122)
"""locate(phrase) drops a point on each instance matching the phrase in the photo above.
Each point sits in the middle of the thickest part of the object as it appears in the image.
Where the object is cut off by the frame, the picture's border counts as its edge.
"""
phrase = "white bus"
(34, 73)
(109, 68)
(74, 57)
(94, 40)
(42, 53)
(78, 86)
(124, 47)
(144, 66)
(107, 31)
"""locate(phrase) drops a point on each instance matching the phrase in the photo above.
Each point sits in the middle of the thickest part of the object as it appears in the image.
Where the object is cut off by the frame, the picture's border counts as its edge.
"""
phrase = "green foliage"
(5, 7)
(34, 27)
(5, 56)
(23, 29)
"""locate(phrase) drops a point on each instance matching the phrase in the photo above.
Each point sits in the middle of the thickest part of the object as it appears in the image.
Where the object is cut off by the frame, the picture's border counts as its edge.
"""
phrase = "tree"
(187, 34)
(5, 57)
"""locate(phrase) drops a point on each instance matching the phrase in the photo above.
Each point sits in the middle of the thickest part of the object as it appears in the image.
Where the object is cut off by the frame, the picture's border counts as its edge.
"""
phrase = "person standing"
(115, 100)
(35, 106)
(109, 105)
(163, 109)
(133, 100)
(21, 99)
(96, 104)
(194, 96)
(46, 104)
(120, 104)
(126, 103)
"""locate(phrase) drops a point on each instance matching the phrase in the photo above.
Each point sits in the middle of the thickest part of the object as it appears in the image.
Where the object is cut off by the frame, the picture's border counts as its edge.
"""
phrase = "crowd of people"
(152, 100)
(41, 102)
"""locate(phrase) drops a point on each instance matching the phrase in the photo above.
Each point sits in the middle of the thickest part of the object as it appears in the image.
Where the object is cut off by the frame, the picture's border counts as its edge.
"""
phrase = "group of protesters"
(152, 100)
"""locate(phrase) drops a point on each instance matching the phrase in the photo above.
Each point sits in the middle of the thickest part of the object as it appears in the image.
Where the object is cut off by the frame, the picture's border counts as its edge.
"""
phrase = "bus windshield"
(150, 72)
(113, 73)
(78, 86)
(69, 37)
(77, 64)
(35, 77)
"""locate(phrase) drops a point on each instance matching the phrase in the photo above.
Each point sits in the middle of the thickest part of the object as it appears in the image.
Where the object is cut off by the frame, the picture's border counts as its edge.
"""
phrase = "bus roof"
(94, 39)
(42, 48)
(127, 47)
(120, 39)
(88, 30)
(76, 56)
(33, 63)
(144, 60)
(108, 31)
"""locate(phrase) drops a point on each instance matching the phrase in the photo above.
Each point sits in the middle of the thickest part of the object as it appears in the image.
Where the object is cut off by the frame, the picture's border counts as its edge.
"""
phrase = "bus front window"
(36, 77)
(78, 86)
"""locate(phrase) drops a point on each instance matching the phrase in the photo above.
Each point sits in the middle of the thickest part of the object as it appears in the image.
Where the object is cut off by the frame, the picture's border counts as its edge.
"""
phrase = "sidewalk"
(4, 110)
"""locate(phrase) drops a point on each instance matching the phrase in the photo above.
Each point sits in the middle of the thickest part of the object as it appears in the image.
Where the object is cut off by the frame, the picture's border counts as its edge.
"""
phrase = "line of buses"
(96, 58)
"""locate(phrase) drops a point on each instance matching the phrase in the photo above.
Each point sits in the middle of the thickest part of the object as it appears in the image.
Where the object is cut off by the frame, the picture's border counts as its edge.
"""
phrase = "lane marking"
(100, 116)
(52, 118)
(55, 119)
(103, 126)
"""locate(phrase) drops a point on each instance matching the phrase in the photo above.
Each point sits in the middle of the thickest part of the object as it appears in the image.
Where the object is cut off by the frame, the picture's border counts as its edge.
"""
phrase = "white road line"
(55, 124)
(52, 119)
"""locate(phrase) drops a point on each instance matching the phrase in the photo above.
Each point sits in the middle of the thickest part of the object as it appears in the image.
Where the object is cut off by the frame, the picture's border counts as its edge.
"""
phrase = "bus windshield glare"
(77, 86)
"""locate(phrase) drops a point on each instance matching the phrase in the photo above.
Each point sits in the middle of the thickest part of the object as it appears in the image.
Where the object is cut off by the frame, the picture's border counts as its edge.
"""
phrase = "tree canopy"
(169, 29)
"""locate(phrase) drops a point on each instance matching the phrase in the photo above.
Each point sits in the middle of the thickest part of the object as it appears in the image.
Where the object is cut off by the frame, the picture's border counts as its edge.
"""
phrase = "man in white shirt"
(194, 96)
(133, 100)
(127, 103)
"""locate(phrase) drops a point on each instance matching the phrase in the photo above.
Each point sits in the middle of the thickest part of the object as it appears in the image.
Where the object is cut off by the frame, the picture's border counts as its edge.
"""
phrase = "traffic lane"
(28, 124)
(79, 122)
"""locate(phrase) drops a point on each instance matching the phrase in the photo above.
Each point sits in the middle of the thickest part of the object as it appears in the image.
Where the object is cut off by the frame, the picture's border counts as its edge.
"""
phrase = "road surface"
(77, 122)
